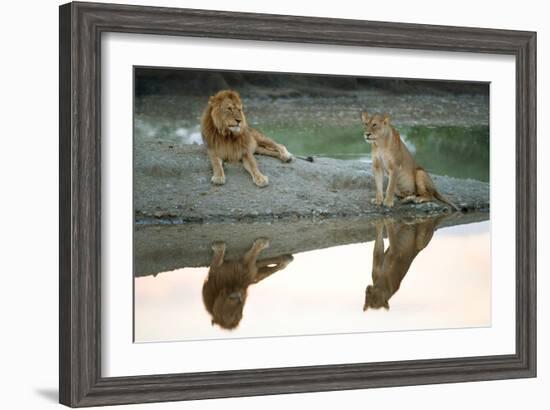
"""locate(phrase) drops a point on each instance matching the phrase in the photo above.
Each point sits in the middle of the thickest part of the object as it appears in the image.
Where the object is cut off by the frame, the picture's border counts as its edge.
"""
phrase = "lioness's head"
(375, 298)
(226, 111)
(375, 126)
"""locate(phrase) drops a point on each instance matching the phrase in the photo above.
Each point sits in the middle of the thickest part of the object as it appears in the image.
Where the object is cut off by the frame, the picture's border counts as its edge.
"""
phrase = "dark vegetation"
(277, 85)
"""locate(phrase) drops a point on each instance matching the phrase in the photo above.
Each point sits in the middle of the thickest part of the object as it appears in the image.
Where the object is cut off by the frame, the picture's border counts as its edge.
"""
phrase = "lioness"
(225, 289)
(406, 178)
(228, 138)
(390, 267)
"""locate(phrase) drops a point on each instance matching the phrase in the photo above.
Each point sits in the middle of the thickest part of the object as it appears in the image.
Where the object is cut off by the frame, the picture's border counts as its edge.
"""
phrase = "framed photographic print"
(260, 204)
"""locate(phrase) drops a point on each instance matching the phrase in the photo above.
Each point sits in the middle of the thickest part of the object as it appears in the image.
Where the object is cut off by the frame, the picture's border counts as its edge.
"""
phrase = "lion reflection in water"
(389, 267)
(225, 290)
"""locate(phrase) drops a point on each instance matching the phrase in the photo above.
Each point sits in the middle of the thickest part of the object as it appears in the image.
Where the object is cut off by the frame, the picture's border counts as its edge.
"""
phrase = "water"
(431, 277)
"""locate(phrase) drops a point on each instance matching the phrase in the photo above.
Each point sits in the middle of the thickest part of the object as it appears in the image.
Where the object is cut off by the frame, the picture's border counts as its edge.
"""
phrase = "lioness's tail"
(440, 197)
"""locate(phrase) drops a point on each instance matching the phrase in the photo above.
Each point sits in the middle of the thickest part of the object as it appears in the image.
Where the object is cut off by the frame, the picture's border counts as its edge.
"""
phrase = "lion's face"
(375, 126)
(375, 298)
(227, 112)
(227, 311)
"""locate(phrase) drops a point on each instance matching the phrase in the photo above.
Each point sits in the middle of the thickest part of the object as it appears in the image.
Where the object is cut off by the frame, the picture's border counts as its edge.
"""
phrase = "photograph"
(273, 204)
(256, 202)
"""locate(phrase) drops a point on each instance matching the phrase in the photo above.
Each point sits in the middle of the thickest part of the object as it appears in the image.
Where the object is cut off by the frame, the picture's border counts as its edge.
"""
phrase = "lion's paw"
(388, 203)
(218, 180)
(376, 201)
(262, 243)
(287, 157)
(261, 180)
(218, 246)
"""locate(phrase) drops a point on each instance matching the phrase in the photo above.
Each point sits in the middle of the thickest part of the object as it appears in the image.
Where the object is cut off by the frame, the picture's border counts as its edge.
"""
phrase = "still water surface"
(410, 277)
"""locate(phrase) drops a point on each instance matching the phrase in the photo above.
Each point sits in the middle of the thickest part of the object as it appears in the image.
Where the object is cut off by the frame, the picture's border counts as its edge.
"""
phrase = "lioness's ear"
(386, 118)
(365, 116)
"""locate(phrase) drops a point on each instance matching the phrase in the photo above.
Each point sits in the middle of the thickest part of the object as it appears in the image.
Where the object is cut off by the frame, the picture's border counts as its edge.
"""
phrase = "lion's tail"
(440, 197)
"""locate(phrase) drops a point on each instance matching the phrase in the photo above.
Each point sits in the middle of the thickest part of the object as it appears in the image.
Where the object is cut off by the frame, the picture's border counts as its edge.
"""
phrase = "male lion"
(228, 138)
(225, 289)
(406, 178)
(390, 267)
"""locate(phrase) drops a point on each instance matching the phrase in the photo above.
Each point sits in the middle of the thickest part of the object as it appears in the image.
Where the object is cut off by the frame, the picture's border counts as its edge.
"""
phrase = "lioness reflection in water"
(225, 289)
(390, 267)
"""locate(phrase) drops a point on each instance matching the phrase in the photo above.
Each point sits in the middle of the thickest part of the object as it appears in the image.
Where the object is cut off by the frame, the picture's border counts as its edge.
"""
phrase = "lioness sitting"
(228, 138)
(406, 178)
(390, 267)
(225, 289)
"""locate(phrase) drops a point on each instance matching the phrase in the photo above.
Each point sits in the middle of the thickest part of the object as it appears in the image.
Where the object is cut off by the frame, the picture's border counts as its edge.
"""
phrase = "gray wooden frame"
(80, 380)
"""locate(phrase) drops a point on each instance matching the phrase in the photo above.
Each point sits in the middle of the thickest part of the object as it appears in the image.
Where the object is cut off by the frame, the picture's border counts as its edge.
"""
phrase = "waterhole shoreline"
(162, 248)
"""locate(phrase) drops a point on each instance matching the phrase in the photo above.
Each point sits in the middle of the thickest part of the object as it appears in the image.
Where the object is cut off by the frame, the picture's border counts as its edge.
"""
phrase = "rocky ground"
(172, 185)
